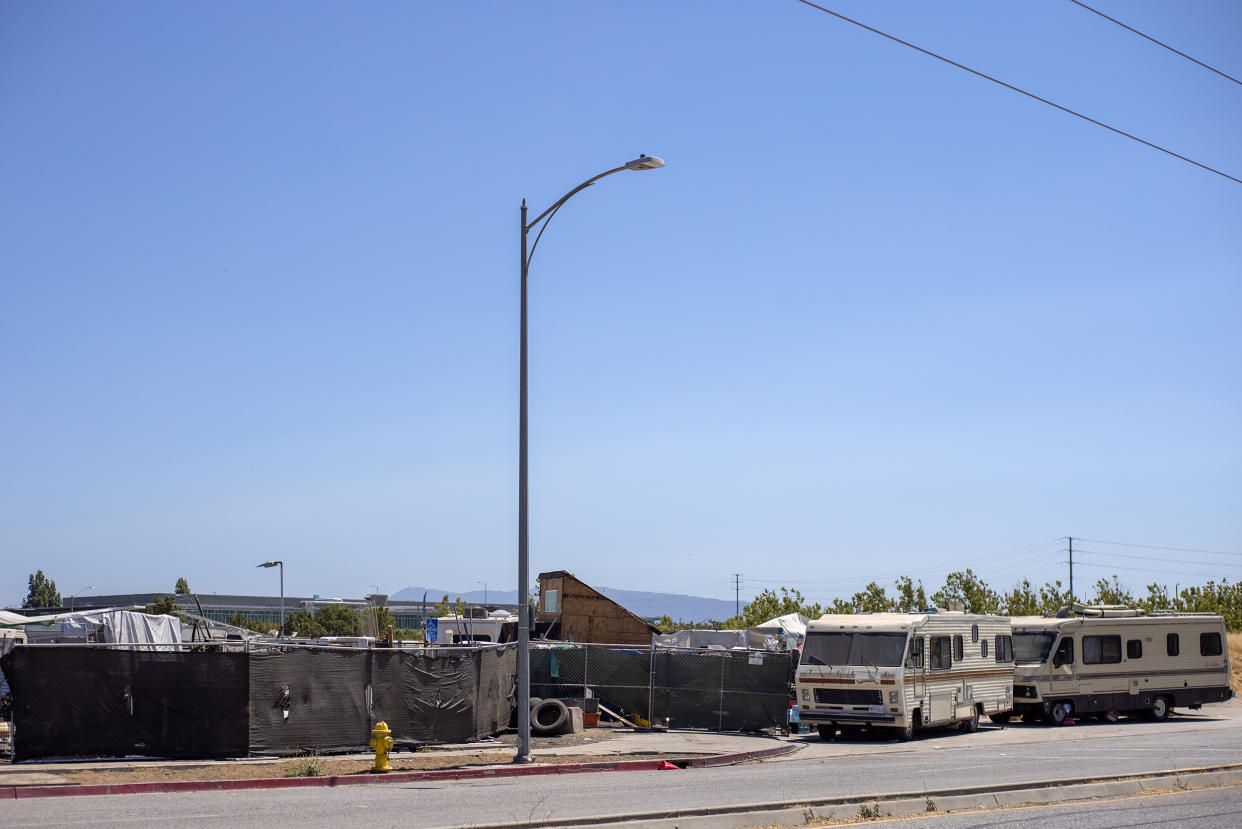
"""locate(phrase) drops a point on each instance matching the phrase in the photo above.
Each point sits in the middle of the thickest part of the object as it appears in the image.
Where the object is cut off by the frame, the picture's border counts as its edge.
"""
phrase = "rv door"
(1064, 677)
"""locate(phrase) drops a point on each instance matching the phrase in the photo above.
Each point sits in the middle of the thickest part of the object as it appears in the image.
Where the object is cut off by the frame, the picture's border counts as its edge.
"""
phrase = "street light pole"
(281, 565)
(484, 592)
(524, 611)
(74, 598)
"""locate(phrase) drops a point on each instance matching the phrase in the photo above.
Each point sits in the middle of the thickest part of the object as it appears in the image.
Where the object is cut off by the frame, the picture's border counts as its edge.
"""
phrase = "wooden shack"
(572, 611)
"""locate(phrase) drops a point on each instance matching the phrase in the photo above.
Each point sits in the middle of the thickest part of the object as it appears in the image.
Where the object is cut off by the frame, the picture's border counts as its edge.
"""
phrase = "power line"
(1158, 547)
(1019, 90)
(1157, 42)
(1179, 561)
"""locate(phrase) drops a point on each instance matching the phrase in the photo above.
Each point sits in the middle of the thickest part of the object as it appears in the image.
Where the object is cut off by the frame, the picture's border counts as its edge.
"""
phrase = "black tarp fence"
(83, 701)
(714, 690)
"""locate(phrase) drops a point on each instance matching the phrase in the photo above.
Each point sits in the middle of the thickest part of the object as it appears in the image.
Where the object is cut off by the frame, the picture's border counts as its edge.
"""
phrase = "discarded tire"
(548, 716)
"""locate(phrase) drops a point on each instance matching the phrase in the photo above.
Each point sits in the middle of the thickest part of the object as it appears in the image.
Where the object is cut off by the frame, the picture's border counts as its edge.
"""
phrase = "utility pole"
(1071, 565)
(737, 594)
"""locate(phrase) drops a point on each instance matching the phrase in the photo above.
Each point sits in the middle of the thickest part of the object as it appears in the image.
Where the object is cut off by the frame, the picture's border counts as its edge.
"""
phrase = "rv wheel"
(971, 725)
(905, 732)
(826, 732)
(1159, 709)
(1001, 717)
(1058, 713)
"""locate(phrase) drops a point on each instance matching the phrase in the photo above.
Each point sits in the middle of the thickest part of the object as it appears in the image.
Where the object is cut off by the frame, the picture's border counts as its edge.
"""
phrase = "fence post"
(720, 707)
(651, 689)
(586, 659)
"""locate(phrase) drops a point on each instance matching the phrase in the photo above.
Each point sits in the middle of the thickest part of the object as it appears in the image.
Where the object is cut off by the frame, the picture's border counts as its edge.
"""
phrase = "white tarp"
(123, 627)
(791, 624)
(726, 639)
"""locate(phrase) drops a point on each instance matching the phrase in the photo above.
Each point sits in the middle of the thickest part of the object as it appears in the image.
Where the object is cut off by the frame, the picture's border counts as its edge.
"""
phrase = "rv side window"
(1134, 649)
(957, 648)
(1065, 652)
(941, 652)
(1004, 648)
(914, 656)
(983, 649)
(974, 634)
(1101, 650)
(1209, 644)
(1172, 644)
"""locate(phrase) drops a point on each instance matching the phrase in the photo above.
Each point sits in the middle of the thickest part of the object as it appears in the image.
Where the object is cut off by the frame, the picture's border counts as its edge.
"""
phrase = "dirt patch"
(322, 766)
(299, 766)
(1235, 662)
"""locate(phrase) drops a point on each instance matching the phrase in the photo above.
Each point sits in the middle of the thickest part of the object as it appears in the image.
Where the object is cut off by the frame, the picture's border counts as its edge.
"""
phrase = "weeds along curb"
(77, 790)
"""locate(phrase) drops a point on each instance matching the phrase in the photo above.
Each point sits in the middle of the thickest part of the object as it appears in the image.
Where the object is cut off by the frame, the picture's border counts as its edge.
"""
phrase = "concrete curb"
(909, 803)
(76, 790)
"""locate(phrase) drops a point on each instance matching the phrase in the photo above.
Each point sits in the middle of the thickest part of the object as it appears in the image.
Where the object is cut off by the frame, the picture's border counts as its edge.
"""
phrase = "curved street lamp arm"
(551, 211)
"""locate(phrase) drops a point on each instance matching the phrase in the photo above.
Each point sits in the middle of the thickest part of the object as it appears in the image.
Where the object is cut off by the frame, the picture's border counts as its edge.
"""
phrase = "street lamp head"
(270, 564)
(645, 162)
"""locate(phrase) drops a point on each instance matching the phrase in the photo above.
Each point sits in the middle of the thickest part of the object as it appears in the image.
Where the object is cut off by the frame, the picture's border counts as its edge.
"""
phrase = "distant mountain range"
(640, 602)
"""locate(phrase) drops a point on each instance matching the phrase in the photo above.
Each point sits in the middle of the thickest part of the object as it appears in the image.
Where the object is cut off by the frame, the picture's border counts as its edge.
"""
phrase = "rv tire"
(1001, 717)
(826, 732)
(905, 733)
(1159, 710)
(1058, 713)
(971, 725)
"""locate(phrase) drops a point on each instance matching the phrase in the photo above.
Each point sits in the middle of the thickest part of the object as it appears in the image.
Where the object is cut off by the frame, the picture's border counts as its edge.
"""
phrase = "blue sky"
(259, 284)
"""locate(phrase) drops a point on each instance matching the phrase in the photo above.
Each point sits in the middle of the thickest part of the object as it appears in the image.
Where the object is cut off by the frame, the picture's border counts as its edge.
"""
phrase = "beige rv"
(904, 671)
(1104, 661)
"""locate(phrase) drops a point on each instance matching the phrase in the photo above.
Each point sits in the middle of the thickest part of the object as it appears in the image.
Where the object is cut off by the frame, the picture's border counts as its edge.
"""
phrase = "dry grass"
(312, 766)
(1235, 662)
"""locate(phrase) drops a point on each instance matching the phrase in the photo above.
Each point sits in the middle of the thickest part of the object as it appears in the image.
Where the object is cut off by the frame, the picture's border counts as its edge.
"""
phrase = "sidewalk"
(596, 750)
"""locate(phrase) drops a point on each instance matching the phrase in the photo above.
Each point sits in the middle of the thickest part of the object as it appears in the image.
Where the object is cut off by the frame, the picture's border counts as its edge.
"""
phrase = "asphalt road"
(819, 770)
(1209, 809)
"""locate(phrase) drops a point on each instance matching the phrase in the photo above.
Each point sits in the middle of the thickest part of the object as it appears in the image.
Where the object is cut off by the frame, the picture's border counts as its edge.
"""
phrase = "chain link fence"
(711, 690)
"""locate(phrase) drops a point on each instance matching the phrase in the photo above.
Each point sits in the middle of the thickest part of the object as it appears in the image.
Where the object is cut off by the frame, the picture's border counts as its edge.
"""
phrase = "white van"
(904, 671)
(1106, 660)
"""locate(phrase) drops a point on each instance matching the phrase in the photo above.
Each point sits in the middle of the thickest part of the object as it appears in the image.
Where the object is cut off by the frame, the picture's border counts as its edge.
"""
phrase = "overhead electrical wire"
(998, 81)
(1180, 561)
(1157, 547)
(1157, 42)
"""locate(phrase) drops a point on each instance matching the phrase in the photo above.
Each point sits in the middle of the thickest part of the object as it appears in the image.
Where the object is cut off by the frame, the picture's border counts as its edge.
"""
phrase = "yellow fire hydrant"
(381, 739)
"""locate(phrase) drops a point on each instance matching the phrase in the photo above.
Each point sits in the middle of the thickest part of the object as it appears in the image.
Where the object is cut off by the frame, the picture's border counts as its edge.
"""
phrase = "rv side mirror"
(1056, 660)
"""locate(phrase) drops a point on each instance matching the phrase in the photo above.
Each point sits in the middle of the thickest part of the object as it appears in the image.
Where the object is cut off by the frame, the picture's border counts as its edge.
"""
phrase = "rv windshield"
(1032, 647)
(847, 648)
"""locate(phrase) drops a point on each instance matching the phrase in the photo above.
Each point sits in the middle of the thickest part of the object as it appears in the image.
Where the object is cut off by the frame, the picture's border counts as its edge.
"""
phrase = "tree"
(767, 605)
(1052, 598)
(43, 592)
(909, 598)
(460, 608)
(1021, 600)
(182, 588)
(1157, 598)
(304, 625)
(241, 620)
(1112, 593)
(968, 589)
(442, 608)
(162, 606)
(872, 599)
(338, 620)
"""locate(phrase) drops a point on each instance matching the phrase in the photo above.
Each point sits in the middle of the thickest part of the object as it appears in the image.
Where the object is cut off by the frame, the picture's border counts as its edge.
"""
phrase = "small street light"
(281, 565)
(74, 598)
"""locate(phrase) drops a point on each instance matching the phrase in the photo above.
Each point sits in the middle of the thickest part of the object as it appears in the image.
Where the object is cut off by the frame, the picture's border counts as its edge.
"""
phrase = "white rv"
(904, 671)
(1108, 660)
